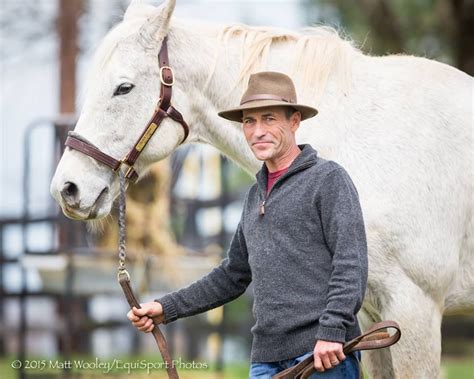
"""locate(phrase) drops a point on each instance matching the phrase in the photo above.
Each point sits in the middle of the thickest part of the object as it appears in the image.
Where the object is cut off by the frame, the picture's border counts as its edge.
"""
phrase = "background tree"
(438, 29)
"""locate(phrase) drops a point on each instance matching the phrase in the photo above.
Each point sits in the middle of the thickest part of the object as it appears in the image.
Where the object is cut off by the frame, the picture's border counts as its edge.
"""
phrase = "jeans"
(347, 369)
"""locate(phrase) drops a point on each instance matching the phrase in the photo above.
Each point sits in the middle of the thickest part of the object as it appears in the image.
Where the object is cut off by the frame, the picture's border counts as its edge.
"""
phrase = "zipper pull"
(262, 208)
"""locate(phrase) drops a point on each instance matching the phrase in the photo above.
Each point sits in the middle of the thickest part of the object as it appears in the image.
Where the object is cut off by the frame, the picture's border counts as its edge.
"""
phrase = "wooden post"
(68, 16)
(69, 12)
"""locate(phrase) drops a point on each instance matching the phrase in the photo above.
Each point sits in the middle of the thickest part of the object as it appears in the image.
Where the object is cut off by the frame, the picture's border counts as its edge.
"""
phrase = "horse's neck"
(195, 59)
(197, 48)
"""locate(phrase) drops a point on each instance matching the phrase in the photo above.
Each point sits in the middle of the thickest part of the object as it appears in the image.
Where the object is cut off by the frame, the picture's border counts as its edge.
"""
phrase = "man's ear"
(295, 120)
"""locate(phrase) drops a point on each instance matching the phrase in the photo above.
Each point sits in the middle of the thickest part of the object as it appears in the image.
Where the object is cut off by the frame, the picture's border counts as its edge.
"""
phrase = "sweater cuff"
(331, 334)
(169, 309)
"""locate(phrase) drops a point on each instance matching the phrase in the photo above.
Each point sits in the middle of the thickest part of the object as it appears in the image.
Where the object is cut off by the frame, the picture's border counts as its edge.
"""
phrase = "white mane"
(318, 53)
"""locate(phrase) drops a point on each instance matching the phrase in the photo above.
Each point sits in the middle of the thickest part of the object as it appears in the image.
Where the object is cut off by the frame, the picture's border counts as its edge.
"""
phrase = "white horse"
(400, 125)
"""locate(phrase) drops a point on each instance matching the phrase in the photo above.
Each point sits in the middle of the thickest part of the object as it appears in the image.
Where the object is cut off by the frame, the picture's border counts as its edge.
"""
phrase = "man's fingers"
(131, 316)
(141, 321)
(150, 328)
(318, 364)
(340, 355)
(326, 362)
(146, 325)
(142, 318)
(140, 311)
(333, 359)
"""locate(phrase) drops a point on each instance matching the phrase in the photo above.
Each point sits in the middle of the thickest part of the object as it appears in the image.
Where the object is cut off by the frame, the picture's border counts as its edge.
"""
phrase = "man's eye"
(123, 89)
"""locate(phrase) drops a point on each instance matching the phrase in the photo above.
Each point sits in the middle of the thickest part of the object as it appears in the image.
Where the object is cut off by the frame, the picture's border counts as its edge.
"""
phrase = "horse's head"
(122, 95)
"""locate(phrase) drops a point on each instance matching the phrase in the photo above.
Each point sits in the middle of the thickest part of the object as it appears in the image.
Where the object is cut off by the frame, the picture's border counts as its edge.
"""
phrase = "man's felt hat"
(266, 89)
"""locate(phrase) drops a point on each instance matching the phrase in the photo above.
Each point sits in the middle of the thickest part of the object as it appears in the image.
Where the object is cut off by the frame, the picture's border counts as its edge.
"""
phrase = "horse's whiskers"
(98, 226)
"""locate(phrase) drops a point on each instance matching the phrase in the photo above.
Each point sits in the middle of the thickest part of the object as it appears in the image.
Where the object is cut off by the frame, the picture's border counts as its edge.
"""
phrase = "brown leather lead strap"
(124, 281)
(375, 337)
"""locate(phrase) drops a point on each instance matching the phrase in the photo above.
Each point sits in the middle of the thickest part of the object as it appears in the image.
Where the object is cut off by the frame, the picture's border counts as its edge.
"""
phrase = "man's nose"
(260, 129)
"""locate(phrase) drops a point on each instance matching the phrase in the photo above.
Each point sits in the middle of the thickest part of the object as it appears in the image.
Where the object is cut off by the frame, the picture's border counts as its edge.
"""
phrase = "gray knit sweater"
(306, 256)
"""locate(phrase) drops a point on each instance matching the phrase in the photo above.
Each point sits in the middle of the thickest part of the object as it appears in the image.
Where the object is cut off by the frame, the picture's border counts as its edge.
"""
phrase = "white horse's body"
(401, 126)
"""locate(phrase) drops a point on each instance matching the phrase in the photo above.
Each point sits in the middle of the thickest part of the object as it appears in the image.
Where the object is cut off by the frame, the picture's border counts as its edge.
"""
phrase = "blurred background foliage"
(438, 29)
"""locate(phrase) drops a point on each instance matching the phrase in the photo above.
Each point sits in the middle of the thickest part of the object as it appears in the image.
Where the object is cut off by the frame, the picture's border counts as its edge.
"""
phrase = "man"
(301, 240)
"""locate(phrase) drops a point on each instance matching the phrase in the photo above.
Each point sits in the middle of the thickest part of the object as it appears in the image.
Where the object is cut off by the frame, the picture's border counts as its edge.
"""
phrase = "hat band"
(264, 97)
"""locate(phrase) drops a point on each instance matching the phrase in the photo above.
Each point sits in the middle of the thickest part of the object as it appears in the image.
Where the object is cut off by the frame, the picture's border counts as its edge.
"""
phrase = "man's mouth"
(262, 143)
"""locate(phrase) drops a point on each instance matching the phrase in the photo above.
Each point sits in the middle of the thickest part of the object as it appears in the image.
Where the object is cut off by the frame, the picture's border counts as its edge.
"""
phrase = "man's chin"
(262, 157)
(262, 154)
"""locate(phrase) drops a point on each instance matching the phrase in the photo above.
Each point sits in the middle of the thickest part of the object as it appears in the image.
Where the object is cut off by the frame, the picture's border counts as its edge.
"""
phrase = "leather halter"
(163, 109)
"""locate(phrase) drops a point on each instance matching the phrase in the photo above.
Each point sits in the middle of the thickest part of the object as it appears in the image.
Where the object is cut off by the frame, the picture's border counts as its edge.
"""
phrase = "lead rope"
(124, 281)
(121, 223)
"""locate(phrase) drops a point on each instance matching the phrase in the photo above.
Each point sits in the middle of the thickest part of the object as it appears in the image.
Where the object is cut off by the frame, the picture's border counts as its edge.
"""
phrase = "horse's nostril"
(70, 193)
(70, 189)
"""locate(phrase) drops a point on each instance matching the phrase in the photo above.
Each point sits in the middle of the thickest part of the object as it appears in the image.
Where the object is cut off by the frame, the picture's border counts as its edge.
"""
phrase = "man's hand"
(142, 318)
(327, 354)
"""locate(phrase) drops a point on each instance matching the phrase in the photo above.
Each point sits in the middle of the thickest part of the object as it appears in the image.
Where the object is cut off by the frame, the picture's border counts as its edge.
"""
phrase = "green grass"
(458, 368)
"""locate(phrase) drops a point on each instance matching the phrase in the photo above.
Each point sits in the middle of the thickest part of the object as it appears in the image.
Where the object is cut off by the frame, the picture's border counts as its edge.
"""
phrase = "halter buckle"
(129, 173)
(162, 79)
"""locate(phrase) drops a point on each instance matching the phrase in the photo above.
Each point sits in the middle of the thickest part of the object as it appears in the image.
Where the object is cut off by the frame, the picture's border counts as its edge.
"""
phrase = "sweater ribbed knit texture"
(306, 257)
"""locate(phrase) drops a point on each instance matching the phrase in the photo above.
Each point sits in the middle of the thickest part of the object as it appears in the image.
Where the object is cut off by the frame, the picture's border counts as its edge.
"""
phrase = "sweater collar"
(307, 157)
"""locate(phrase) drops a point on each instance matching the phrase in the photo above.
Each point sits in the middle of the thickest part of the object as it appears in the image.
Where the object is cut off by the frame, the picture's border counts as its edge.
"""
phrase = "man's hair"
(289, 112)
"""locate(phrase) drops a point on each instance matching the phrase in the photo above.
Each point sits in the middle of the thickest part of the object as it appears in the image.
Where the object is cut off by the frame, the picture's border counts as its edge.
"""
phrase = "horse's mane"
(318, 52)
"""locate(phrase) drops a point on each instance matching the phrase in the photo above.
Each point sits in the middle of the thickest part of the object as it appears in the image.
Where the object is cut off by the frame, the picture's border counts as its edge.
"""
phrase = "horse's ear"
(132, 9)
(157, 26)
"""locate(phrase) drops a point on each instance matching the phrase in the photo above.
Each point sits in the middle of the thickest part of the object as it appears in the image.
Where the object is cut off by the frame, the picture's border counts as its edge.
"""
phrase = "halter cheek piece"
(163, 109)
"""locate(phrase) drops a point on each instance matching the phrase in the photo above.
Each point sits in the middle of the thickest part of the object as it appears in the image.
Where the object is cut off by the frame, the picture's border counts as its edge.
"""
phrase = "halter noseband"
(163, 109)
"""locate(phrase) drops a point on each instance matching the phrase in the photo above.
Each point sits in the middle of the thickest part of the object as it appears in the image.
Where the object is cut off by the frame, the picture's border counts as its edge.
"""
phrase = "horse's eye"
(123, 89)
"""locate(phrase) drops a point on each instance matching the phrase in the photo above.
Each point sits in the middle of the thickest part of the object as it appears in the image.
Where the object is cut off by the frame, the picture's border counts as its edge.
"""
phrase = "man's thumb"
(140, 311)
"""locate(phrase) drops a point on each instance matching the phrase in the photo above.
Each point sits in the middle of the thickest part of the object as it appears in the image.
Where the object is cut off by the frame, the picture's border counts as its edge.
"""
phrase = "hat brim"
(235, 114)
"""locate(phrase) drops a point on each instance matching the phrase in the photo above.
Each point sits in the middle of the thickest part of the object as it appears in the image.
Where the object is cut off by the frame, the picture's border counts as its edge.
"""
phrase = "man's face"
(268, 132)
